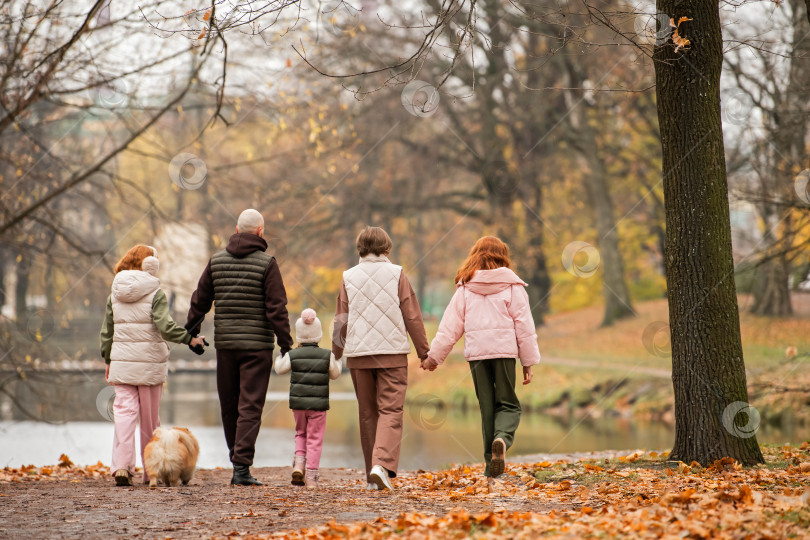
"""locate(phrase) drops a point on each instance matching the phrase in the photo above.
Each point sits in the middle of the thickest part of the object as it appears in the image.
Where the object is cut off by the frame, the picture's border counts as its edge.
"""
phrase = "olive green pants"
(500, 409)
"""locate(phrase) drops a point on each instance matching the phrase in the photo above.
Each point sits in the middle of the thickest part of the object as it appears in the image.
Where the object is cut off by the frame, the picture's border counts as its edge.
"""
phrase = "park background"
(150, 133)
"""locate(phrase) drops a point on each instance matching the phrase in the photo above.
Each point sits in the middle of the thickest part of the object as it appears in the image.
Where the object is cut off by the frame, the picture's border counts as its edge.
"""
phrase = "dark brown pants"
(380, 400)
(242, 379)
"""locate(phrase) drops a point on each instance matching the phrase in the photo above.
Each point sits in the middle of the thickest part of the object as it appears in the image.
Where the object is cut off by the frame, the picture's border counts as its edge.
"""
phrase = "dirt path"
(208, 506)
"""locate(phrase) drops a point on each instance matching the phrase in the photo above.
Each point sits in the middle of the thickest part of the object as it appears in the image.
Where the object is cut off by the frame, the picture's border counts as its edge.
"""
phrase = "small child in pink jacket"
(491, 307)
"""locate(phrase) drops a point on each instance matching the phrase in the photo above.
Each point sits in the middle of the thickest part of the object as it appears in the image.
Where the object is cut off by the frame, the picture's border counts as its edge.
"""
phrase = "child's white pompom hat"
(308, 327)
(150, 265)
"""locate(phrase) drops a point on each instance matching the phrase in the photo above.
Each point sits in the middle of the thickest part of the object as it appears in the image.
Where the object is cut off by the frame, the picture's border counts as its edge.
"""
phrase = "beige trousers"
(380, 400)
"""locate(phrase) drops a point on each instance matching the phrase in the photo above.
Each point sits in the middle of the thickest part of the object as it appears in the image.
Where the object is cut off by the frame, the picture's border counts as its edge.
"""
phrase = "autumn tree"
(708, 372)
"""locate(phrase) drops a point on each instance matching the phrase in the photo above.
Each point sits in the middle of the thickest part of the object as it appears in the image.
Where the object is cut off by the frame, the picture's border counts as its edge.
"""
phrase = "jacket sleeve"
(169, 330)
(409, 305)
(525, 330)
(341, 322)
(450, 328)
(335, 367)
(201, 302)
(275, 305)
(107, 329)
(283, 364)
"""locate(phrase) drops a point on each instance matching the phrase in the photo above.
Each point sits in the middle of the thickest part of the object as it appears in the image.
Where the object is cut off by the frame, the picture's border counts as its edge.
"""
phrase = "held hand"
(527, 374)
(197, 345)
(428, 365)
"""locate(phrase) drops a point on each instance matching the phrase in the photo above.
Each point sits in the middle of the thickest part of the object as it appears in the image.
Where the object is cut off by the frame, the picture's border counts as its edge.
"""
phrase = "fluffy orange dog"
(171, 456)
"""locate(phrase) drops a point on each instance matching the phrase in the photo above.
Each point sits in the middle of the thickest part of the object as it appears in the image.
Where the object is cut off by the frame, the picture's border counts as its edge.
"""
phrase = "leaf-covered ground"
(641, 495)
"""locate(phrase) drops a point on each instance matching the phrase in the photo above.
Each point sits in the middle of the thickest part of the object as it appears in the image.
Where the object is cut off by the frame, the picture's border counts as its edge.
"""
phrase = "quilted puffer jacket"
(375, 324)
(493, 312)
(139, 353)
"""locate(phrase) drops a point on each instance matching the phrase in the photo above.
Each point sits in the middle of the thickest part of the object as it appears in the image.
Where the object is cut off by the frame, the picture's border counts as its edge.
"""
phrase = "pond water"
(433, 437)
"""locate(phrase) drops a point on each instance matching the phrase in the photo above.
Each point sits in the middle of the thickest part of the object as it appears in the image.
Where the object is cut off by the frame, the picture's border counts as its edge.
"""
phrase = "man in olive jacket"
(251, 308)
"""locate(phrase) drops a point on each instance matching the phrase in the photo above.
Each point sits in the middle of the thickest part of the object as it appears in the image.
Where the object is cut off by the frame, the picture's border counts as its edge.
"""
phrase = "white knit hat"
(308, 327)
(150, 265)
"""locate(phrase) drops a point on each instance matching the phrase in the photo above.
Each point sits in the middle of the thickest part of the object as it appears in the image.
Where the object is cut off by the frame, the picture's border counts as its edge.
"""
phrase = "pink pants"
(309, 429)
(132, 402)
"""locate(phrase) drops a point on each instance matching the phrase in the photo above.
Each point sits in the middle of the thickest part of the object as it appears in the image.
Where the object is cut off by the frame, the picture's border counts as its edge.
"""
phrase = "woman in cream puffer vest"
(377, 310)
(134, 336)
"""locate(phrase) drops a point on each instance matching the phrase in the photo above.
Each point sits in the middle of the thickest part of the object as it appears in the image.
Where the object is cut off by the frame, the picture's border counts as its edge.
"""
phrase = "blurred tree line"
(543, 134)
(321, 163)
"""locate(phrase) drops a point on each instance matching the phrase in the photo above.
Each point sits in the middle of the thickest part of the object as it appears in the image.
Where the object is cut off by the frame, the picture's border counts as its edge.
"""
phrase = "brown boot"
(312, 478)
(498, 462)
(299, 466)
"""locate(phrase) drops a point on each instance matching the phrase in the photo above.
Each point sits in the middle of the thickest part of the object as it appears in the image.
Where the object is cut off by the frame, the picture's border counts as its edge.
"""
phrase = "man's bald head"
(250, 221)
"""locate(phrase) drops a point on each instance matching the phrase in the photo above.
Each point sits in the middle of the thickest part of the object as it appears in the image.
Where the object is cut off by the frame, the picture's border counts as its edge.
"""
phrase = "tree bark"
(708, 372)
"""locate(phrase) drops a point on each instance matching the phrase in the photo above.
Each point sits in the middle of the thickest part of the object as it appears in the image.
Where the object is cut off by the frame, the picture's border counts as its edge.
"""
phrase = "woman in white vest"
(376, 312)
(134, 336)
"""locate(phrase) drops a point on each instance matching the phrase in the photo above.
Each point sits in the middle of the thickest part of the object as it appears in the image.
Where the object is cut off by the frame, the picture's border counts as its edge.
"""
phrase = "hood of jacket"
(486, 282)
(131, 285)
(243, 244)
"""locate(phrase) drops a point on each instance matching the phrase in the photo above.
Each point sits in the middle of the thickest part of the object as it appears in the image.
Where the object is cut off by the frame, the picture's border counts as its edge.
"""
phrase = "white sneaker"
(379, 477)
(371, 487)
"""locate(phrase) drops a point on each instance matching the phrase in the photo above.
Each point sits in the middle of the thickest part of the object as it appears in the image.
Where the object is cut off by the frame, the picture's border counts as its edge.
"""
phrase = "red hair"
(133, 258)
(488, 253)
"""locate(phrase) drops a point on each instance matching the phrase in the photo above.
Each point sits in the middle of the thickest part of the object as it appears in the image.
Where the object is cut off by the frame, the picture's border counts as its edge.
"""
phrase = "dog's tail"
(189, 441)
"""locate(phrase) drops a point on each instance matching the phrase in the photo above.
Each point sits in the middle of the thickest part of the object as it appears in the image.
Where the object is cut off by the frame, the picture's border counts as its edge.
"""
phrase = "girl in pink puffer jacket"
(492, 308)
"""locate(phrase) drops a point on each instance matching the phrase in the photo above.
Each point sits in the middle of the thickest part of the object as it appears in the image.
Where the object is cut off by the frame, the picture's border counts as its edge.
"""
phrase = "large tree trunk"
(708, 373)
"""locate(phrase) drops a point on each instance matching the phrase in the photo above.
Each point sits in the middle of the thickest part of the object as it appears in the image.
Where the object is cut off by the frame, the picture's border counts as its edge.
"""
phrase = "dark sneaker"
(123, 478)
(498, 462)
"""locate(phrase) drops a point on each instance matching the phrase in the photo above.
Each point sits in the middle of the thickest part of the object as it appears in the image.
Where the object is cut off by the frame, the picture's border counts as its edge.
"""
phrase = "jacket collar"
(243, 244)
(374, 258)
(309, 344)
